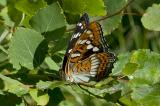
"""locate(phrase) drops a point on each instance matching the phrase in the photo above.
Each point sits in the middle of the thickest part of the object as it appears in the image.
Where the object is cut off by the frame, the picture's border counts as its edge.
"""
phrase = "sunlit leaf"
(29, 7)
(147, 95)
(74, 7)
(51, 64)
(149, 65)
(81, 6)
(112, 23)
(48, 19)
(142, 69)
(150, 19)
(23, 46)
(94, 5)
(42, 85)
(40, 97)
(130, 68)
(14, 86)
(7, 20)
(120, 65)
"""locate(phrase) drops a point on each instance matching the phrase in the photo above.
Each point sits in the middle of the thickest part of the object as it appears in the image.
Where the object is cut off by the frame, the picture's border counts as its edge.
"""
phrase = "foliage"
(33, 38)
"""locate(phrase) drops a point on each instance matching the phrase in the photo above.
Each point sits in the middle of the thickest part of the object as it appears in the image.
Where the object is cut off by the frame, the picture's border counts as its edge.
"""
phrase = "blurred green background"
(131, 34)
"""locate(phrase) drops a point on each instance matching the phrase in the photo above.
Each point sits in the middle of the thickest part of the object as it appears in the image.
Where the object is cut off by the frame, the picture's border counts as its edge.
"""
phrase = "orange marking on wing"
(84, 36)
(103, 57)
(96, 30)
(86, 64)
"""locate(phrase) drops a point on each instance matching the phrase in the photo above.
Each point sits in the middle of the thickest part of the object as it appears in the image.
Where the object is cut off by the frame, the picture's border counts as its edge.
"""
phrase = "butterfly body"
(87, 56)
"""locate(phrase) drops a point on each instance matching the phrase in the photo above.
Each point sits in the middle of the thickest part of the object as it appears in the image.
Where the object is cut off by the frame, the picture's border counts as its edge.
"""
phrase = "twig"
(135, 14)
(118, 12)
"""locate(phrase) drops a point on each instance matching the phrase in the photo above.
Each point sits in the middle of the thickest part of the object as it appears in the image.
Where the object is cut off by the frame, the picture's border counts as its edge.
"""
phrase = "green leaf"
(95, 7)
(71, 18)
(7, 20)
(51, 64)
(55, 35)
(74, 6)
(23, 46)
(99, 102)
(147, 95)
(14, 14)
(56, 97)
(126, 100)
(48, 19)
(148, 67)
(150, 19)
(130, 68)
(110, 24)
(81, 6)
(59, 40)
(142, 68)
(29, 100)
(13, 86)
(40, 97)
(40, 53)
(29, 7)
(25, 22)
(10, 100)
(42, 85)
(104, 82)
(123, 59)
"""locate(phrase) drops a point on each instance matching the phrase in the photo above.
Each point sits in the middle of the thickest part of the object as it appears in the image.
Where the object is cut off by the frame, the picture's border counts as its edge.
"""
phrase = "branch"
(118, 12)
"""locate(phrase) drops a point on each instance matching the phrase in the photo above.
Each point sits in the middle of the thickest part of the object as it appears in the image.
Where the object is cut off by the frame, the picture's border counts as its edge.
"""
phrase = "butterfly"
(87, 57)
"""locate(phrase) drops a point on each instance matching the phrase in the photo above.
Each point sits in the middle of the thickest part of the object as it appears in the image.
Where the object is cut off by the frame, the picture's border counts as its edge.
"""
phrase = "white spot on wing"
(83, 41)
(75, 55)
(88, 32)
(88, 42)
(91, 36)
(89, 46)
(69, 50)
(79, 24)
(95, 49)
